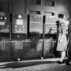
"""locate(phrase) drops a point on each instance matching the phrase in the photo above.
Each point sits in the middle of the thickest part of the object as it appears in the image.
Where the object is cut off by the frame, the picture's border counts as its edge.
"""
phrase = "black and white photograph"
(35, 35)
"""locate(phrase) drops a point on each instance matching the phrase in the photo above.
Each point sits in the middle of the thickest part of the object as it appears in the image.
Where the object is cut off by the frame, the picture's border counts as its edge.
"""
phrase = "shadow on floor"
(22, 64)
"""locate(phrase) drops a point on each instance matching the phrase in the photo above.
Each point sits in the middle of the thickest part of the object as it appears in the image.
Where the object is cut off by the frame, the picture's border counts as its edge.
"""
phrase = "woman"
(62, 39)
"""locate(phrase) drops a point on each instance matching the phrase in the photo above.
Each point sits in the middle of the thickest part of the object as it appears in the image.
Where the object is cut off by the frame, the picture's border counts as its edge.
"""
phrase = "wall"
(4, 5)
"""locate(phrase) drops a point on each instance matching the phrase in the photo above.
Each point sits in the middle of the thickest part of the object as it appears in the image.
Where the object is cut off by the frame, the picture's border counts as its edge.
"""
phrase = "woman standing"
(62, 39)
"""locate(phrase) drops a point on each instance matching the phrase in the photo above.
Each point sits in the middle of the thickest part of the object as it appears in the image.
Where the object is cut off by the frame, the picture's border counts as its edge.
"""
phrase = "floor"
(35, 65)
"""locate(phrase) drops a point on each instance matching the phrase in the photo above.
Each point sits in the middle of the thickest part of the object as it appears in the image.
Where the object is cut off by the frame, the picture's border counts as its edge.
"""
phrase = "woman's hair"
(60, 15)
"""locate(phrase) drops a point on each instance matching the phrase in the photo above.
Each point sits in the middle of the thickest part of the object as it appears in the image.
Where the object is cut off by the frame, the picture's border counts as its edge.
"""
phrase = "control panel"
(50, 24)
(20, 24)
(36, 23)
(4, 23)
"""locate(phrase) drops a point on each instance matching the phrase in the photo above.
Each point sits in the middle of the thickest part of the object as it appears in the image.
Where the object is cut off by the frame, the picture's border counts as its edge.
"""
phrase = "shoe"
(67, 62)
(60, 62)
